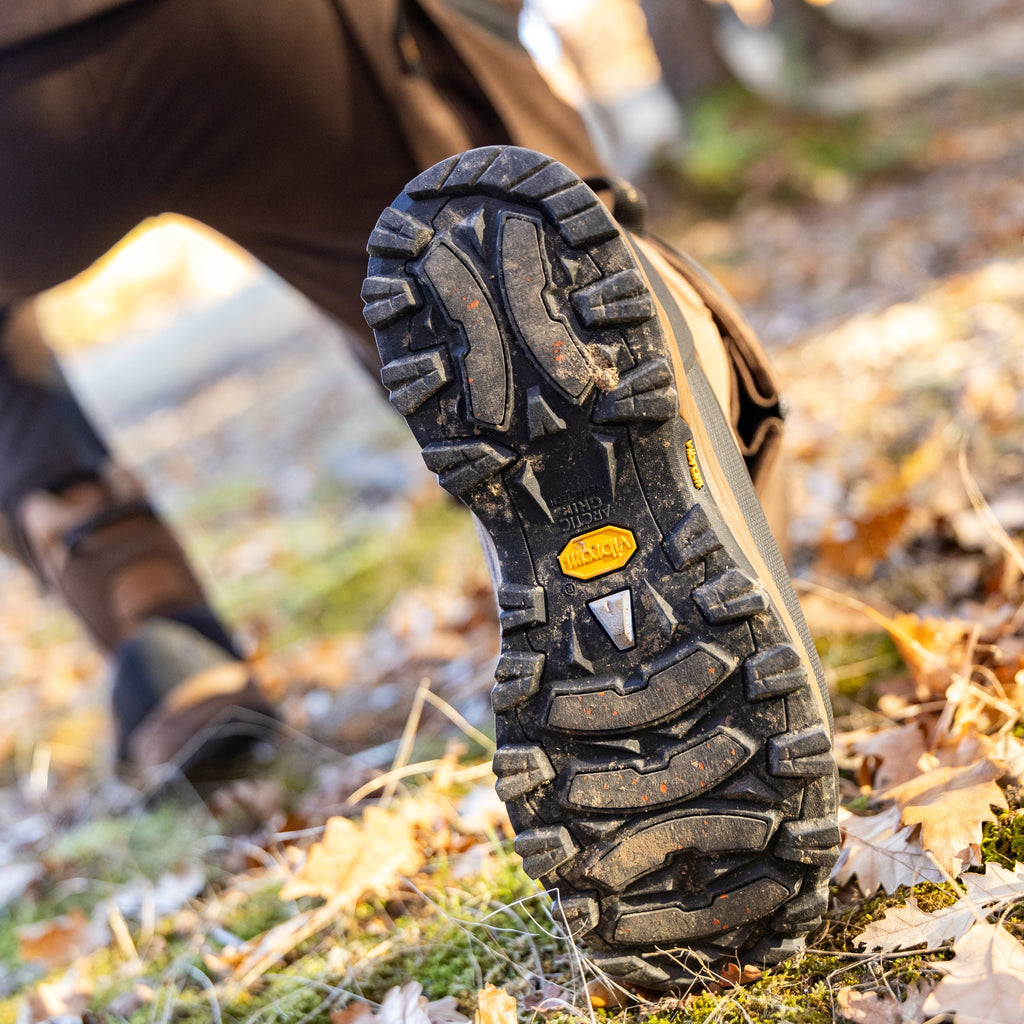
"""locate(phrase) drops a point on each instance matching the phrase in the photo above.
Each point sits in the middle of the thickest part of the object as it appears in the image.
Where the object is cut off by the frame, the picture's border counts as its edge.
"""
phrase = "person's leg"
(83, 524)
(253, 119)
(663, 726)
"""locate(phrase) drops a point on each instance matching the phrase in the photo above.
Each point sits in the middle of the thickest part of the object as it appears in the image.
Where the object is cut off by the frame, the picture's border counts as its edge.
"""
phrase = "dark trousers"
(259, 118)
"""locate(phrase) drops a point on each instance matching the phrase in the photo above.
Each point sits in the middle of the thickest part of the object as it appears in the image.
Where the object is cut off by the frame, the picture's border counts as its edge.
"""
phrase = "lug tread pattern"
(520, 770)
(687, 675)
(399, 234)
(679, 795)
(812, 841)
(520, 607)
(517, 679)
(411, 380)
(804, 754)
(695, 768)
(616, 866)
(545, 849)
(580, 914)
(774, 673)
(726, 911)
(462, 465)
(387, 299)
(691, 540)
(646, 392)
(622, 298)
(732, 595)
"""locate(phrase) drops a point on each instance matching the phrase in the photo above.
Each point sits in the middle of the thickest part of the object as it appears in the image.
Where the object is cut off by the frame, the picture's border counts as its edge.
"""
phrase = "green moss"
(105, 853)
(855, 663)
(260, 911)
(490, 929)
(118, 850)
(326, 577)
(738, 143)
(1003, 839)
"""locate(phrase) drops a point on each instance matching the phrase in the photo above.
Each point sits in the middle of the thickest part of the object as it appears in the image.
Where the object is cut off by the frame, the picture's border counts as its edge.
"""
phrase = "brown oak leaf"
(882, 852)
(60, 941)
(903, 927)
(932, 648)
(356, 860)
(861, 1007)
(950, 803)
(984, 982)
(495, 1006)
(896, 751)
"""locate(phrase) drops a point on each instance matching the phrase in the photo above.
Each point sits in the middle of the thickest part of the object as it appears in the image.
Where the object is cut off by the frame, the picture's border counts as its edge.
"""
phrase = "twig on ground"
(412, 723)
(468, 728)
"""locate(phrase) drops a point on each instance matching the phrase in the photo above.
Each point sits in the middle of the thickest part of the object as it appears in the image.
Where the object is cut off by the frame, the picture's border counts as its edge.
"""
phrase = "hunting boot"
(182, 697)
(664, 732)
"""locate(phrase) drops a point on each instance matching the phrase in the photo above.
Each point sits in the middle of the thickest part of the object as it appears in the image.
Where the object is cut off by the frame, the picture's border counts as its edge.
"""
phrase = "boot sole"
(664, 735)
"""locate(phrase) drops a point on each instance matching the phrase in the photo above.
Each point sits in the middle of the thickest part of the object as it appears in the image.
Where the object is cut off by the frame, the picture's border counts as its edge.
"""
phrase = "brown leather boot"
(103, 548)
(181, 694)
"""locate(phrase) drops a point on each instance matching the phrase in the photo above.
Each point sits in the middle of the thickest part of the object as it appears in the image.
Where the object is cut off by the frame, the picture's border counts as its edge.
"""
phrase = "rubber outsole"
(663, 750)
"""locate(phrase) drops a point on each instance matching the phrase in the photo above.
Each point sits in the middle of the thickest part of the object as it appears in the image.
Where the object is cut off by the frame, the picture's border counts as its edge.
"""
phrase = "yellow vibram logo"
(691, 461)
(597, 552)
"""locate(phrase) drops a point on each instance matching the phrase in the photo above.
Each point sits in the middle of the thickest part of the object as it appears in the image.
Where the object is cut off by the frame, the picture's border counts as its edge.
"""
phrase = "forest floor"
(882, 263)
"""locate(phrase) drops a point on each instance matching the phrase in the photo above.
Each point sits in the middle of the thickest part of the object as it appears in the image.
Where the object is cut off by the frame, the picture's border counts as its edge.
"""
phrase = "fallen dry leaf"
(897, 752)
(733, 975)
(60, 940)
(402, 1005)
(408, 1005)
(903, 927)
(997, 884)
(1010, 751)
(984, 982)
(356, 860)
(863, 542)
(354, 1013)
(881, 852)
(934, 649)
(495, 1006)
(860, 1007)
(49, 1001)
(950, 804)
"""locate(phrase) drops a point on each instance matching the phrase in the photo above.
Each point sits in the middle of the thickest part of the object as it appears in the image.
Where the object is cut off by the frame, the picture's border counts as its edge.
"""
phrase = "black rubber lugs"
(615, 865)
(386, 299)
(413, 379)
(518, 677)
(656, 692)
(462, 465)
(663, 749)
(399, 234)
(645, 393)
(520, 769)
